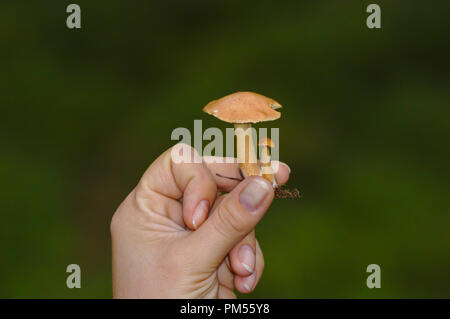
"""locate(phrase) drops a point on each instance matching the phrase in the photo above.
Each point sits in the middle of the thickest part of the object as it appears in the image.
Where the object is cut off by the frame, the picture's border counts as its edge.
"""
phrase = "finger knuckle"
(184, 153)
(119, 218)
(114, 225)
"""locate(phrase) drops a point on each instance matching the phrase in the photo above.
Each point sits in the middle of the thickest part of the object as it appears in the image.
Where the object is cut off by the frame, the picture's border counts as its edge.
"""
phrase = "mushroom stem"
(246, 150)
(266, 167)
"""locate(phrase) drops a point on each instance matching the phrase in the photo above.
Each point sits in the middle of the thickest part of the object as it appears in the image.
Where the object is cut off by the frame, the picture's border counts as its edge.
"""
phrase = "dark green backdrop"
(365, 129)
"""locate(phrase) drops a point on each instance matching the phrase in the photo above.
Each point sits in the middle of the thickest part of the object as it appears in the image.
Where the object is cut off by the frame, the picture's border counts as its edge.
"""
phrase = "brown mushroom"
(266, 144)
(242, 109)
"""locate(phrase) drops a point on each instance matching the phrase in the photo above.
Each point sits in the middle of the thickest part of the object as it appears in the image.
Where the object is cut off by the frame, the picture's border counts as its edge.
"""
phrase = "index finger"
(223, 167)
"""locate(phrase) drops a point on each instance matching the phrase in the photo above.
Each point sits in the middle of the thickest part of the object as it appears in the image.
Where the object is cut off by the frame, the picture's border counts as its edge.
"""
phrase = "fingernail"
(250, 282)
(247, 257)
(227, 260)
(200, 211)
(254, 194)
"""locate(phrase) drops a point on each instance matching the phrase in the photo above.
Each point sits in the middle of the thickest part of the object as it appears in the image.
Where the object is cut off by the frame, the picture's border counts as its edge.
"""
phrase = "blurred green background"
(365, 129)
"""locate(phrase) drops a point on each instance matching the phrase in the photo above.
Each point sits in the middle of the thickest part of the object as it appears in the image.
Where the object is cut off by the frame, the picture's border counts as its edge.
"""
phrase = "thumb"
(236, 216)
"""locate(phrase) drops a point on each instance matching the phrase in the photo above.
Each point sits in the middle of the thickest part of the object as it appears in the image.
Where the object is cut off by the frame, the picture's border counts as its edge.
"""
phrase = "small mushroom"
(266, 144)
(243, 109)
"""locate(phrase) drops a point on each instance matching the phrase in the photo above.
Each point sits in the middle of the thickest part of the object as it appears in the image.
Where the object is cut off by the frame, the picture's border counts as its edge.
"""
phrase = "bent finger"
(179, 173)
(246, 284)
(243, 256)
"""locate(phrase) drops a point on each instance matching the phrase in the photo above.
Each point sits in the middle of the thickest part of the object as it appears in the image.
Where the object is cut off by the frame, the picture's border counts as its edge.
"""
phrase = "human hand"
(164, 243)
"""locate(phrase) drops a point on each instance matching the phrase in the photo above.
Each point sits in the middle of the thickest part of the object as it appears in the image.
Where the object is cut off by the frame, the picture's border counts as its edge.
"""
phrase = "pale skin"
(174, 236)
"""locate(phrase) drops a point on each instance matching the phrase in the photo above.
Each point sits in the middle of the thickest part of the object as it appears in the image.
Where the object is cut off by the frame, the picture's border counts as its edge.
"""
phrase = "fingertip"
(245, 284)
(282, 170)
(243, 260)
(199, 196)
(287, 166)
(256, 194)
(199, 213)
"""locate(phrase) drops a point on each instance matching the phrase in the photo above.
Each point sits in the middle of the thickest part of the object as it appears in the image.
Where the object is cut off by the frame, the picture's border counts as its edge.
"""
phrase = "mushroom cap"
(244, 107)
(266, 141)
